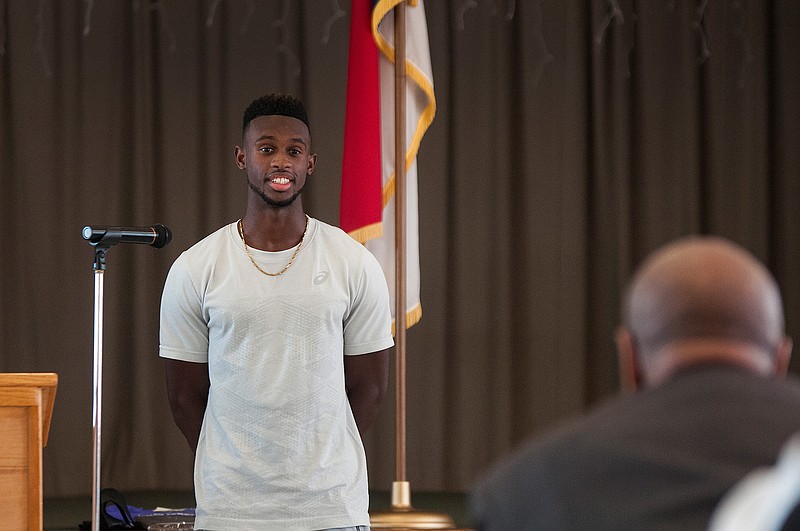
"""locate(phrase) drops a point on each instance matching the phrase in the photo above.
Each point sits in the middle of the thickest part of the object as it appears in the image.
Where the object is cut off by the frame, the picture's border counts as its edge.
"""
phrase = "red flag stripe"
(361, 203)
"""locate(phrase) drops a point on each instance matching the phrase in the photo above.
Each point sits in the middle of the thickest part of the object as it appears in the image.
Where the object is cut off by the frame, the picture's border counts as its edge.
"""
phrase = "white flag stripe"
(419, 113)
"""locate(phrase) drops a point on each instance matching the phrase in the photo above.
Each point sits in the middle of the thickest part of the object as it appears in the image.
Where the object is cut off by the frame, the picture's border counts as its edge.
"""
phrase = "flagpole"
(400, 234)
(402, 515)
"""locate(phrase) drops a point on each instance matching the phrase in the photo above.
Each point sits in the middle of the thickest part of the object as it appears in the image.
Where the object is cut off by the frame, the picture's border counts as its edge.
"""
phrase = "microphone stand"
(100, 251)
(109, 237)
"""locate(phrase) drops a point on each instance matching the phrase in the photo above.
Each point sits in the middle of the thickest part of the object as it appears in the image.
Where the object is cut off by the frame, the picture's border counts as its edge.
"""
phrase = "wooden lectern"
(26, 405)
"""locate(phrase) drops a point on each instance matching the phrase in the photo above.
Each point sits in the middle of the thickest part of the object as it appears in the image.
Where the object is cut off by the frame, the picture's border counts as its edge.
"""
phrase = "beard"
(272, 202)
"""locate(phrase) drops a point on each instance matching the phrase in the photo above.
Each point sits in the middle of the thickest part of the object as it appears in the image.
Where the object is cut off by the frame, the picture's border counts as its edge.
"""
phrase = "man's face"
(277, 158)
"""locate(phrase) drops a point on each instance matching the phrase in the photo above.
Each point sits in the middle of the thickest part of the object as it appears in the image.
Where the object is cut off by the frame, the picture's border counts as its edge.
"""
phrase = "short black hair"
(272, 104)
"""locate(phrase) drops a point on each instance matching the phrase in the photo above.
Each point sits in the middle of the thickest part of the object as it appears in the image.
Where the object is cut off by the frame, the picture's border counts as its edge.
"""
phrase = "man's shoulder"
(334, 233)
(733, 385)
(334, 237)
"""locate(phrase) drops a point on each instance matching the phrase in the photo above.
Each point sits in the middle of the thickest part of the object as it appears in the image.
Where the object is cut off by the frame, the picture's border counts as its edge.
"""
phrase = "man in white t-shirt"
(275, 332)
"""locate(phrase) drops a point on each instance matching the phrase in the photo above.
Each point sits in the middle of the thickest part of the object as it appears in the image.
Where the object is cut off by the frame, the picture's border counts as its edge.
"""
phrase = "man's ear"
(630, 373)
(783, 356)
(240, 160)
(312, 163)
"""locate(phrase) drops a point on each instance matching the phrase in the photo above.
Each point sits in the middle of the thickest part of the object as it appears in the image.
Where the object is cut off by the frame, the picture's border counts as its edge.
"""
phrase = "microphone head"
(92, 235)
(163, 236)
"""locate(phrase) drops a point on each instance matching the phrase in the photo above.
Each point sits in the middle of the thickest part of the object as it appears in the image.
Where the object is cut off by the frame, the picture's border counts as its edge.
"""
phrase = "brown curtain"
(571, 138)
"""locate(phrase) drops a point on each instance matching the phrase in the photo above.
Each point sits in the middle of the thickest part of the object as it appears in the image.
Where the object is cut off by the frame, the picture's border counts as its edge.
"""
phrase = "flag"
(360, 199)
(368, 163)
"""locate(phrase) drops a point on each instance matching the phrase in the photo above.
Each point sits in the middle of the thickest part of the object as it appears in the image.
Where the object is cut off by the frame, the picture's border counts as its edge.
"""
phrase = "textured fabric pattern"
(279, 447)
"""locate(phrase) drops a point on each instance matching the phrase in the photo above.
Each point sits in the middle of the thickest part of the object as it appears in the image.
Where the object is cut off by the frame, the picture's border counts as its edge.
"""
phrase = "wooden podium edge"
(47, 382)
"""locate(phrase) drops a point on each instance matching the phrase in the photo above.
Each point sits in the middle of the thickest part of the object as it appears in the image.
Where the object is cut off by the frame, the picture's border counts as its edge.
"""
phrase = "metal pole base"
(402, 516)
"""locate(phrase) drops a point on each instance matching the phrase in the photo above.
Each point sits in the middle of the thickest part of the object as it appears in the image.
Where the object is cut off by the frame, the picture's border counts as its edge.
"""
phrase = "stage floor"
(61, 514)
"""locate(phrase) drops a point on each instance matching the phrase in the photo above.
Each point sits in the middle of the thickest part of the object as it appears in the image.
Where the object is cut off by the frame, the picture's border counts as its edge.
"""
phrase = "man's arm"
(366, 378)
(187, 391)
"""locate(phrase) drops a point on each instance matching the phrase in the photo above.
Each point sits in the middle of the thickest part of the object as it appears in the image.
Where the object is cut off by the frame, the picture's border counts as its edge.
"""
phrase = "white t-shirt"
(279, 447)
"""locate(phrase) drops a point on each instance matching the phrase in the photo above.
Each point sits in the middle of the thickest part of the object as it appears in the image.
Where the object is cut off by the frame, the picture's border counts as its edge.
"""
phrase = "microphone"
(157, 236)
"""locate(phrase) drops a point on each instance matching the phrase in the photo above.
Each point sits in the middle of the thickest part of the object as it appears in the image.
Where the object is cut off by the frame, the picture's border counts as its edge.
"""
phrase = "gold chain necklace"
(291, 260)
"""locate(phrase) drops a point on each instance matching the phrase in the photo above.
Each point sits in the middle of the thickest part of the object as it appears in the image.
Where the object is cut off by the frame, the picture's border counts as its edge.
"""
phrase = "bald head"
(700, 293)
